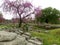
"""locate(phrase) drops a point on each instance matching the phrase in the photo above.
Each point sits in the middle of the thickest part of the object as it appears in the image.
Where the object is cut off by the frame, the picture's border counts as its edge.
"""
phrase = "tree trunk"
(20, 22)
(46, 20)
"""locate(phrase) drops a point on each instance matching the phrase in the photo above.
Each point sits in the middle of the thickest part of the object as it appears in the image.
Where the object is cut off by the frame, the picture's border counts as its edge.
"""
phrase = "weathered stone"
(26, 37)
(35, 42)
(7, 36)
(29, 43)
(17, 40)
(28, 34)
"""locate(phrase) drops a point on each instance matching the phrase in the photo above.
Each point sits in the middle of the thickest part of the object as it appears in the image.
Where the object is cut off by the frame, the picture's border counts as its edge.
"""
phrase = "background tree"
(1, 18)
(50, 15)
(18, 7)
(38, 14)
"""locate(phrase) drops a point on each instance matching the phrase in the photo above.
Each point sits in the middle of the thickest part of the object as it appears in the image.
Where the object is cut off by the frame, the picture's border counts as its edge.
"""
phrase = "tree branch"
(28, 15)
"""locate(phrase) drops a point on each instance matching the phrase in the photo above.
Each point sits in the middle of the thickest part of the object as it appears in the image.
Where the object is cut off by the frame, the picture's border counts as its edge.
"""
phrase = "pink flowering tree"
(38, 14)
(18, 7)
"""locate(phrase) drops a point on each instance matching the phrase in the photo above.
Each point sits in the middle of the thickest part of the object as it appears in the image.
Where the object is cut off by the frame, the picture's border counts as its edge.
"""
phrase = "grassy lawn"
(49, 38)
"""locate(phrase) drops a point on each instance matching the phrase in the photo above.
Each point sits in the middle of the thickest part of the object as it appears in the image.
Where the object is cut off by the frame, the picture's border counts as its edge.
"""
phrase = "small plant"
(25, 27)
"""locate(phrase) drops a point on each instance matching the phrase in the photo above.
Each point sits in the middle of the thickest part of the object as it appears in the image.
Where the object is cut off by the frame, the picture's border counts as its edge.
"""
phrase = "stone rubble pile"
(11, 38)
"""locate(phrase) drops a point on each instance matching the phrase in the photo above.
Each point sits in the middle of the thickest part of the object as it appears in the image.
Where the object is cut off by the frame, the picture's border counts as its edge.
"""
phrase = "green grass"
(52, 37)
(7, 26)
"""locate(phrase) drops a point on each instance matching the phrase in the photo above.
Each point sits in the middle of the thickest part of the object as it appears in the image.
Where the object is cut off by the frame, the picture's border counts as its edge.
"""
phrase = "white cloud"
(7, 15)
(46, 3)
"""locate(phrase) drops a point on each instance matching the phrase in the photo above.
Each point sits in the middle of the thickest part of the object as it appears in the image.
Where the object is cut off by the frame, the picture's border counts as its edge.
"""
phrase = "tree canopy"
(50, 15)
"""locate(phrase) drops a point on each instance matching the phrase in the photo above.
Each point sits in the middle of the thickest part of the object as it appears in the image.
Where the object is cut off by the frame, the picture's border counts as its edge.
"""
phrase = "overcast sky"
(41, 3)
